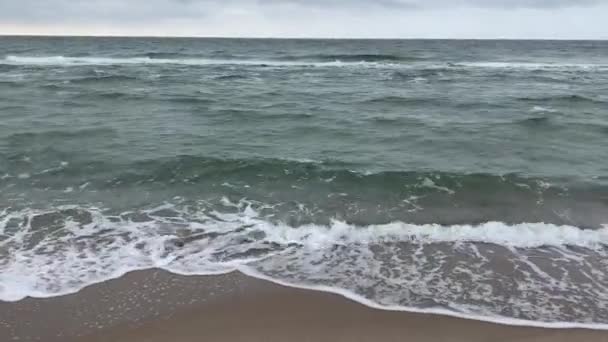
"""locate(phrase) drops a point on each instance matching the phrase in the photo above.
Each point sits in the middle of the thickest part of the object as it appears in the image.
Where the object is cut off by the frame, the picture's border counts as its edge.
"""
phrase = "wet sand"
(155, 306)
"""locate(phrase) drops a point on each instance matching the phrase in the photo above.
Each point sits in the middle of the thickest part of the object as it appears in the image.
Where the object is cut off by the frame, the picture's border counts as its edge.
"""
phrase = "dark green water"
(462, 177)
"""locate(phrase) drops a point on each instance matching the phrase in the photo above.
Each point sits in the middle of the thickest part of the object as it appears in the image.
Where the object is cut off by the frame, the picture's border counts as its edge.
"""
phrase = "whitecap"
(541, 109)
(75, 61)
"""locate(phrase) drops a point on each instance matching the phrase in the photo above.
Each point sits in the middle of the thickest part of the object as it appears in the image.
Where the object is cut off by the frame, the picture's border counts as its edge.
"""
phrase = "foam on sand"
(395, 266)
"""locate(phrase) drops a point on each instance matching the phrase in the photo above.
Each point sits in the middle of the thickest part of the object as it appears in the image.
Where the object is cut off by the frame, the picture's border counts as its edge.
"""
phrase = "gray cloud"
(336, 18)
(505, 4)
(66, 10)
(24, 10)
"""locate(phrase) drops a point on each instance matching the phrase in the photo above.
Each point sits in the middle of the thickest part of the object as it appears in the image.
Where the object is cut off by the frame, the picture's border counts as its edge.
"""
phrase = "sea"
(461, 177)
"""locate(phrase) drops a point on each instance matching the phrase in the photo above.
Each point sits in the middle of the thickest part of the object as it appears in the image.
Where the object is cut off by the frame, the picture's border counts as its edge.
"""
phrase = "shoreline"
(155, 305)
(499, 320)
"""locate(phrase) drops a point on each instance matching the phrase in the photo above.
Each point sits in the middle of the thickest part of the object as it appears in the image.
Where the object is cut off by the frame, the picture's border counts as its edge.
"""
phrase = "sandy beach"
(156, 306)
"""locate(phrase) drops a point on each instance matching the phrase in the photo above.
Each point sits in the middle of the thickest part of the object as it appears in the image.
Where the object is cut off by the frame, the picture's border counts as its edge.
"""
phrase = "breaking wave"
(334, 60)
(75, 61)
(45, 253)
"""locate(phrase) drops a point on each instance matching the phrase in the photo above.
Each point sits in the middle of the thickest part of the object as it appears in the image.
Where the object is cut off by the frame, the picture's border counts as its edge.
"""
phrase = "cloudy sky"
(560, 19)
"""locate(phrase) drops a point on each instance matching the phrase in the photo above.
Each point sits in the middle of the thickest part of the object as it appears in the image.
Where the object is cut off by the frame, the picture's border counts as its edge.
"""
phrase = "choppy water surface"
(463, 177)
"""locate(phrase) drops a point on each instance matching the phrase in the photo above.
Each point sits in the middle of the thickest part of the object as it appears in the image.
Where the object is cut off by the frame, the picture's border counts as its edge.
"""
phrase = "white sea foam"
(428, 183)
(100, 60)
(86, 251)
(435, 311)
(523, 235)
(74, 61)
(541, 109)
(23, 176)
(535, 66)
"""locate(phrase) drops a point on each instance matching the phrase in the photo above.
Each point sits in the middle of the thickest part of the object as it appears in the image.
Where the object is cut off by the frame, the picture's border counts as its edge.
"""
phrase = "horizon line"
(18, 35)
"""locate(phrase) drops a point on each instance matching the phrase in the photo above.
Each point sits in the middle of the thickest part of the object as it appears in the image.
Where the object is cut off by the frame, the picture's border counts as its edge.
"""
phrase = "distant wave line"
(68, 61)
(339, 61)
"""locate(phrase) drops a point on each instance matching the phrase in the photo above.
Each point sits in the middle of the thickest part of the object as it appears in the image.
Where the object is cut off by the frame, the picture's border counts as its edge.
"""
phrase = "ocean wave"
(328, 188)
(541, 109)
(286, 170)
(114, 95)
(232, 77)
(535, 121)
(370, 57)
(102, 78)
(170, 55)
(76, 61)
(63, 249)
(534, 66)
(353, 58)
(437, 72)
(569, 98)
(331, 60)
(23, 137)
(400, 100)
(193, 100)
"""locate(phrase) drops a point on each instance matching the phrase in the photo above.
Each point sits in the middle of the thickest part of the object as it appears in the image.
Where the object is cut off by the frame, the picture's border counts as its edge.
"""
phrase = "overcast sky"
(559, 19)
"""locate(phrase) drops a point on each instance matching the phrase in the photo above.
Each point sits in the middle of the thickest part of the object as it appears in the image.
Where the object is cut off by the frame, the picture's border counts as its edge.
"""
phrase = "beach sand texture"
(155, 306)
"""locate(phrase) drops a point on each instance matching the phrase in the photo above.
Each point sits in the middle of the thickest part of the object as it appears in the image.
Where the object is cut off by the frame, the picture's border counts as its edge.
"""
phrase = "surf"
(76, 61)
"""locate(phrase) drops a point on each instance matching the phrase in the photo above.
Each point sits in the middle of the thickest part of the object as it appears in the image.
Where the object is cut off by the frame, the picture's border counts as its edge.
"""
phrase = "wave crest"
(76, 61)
